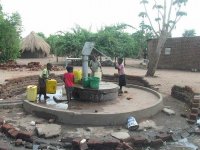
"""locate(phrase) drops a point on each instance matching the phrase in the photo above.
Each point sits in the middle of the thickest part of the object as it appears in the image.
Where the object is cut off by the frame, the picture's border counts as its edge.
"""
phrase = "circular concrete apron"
(139, 102)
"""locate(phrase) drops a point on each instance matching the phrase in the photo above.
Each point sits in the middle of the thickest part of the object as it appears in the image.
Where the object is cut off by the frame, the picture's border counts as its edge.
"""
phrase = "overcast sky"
(50, 16)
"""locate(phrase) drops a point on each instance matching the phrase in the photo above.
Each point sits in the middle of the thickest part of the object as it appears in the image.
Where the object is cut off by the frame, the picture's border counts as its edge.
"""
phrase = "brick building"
(182, 53)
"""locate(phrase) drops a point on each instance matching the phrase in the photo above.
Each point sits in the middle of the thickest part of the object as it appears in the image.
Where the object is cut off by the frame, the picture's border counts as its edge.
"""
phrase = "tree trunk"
(155, 55)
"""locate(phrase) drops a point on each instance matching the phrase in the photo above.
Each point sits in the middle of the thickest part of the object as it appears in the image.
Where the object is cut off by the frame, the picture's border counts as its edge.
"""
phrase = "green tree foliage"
(10, 29)
(41, 34)
(189, 33)
(112, 40)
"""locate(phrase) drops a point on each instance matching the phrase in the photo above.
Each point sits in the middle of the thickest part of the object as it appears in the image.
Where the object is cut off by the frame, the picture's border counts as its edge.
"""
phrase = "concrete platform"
(107, 91)
(139, 102)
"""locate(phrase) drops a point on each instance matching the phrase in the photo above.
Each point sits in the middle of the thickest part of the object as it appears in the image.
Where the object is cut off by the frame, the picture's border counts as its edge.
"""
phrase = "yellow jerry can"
(31, 93)
(77, 75)
(51, 86)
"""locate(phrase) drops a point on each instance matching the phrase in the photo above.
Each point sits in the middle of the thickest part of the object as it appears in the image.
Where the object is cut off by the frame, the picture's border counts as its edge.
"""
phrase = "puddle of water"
(50, 101)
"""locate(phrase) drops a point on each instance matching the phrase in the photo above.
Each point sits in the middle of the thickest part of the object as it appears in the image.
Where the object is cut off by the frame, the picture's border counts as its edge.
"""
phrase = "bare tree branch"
(150, 21)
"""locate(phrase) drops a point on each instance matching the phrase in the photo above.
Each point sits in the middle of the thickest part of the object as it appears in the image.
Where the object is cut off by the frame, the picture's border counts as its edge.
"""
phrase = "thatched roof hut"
(34, 46)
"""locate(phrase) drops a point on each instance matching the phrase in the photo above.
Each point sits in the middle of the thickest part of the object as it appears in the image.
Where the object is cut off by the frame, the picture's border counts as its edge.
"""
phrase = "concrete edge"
(10, 105)
(70, 117)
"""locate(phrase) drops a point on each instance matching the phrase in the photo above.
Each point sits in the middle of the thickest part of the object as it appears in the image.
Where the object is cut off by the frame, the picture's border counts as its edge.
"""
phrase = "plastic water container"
(132, 123)
(51, 86)
(86, 82)
(31, 93)
(98, 75)
(94, 83)
(77, 75)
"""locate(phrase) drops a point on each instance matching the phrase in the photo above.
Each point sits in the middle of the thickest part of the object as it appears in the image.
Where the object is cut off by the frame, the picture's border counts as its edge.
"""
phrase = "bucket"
(98, 74)
(86, 82)
(94, 83)
(132, 124)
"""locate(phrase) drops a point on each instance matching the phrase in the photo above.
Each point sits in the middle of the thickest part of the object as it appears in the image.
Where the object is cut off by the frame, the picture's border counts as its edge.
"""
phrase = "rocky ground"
(150, 127)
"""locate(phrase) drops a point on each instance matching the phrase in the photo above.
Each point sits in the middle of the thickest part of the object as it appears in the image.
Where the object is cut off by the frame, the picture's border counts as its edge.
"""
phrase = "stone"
(147, 124)
(18, 142)
(193, 116)
(164, 136)
(168, 111)
(28, 145)
(24, 135)
(67, 145)
(4, 146)
(13, 133)
(121, 135)
(195, 110)
(139, 140)
(105, 142)
(7, 127)
(195, 105)
(51, 120)
(156, 142)
(79, 143)
(42, 146)
(48, 130)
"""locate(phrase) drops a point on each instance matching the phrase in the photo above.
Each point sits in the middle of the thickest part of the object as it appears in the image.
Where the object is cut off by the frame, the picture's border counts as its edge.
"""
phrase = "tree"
(41, 34)
(189, 33)
(167, 16)
(10, 29)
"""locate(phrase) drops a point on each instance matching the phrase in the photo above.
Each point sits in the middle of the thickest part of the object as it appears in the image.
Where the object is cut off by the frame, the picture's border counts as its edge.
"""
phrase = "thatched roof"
(33, 43)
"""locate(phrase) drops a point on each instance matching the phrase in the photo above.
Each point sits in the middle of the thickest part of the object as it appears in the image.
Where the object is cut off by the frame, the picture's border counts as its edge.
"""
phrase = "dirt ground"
(164, 80)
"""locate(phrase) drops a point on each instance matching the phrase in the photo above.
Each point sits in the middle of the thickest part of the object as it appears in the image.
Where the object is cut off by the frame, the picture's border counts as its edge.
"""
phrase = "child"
(121, 73)
(68, 78)
(95, 65)
(42, 82)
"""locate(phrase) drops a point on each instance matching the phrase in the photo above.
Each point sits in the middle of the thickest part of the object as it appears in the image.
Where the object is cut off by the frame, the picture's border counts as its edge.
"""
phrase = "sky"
(50, 16)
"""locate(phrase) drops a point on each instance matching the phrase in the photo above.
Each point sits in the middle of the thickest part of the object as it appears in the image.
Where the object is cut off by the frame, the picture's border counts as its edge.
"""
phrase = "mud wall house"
(34, 46)
(182, 53)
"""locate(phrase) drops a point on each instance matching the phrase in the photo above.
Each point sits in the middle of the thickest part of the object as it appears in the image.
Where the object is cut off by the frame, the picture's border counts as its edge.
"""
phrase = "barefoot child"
(121, 73)
(68, 78)
(42, 82)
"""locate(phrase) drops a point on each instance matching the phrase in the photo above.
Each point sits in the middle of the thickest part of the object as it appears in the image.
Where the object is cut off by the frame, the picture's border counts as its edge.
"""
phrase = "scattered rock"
(48, 130)
(121, 135)
(28, 145)
(18, 142)
(147, 124)
(51, 120)
(32, 123)
(169, 111)
(129, 98)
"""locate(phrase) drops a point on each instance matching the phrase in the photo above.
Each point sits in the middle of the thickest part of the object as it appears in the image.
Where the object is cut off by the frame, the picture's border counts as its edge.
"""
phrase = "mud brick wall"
(185, 53)
(16, 86)
(130, 79)
(185, 94)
